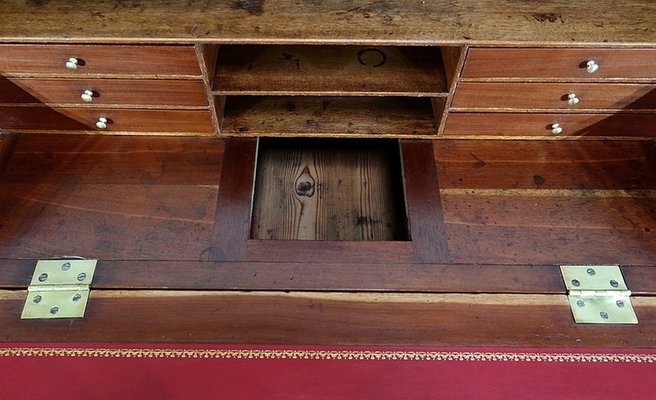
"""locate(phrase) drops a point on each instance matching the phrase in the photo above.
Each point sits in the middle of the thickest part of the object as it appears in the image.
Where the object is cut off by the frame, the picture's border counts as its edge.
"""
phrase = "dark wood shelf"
(330, 70)
(328, 116)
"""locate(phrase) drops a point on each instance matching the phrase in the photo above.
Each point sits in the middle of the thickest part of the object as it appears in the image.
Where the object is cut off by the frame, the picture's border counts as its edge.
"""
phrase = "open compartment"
(330, 70)
(326, 189)
(366, 91)
(329, 116)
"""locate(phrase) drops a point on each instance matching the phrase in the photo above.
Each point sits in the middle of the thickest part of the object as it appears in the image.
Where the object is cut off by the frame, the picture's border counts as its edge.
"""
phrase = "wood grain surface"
(328, 116)
(108, 197)
(98, 60)
(328, 190)
(574, 125)
(526, 96)
(560, 63)
(330, 70)
(563, 202)
(106, 92)
(328, 318)
(563, 22)
(69, 119)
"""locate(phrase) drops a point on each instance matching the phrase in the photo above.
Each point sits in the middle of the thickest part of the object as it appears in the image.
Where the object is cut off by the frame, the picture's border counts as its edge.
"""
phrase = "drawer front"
(151, 61)
(565, 96)
(578, 125)
(119, 120)
(560, 63)
(137, 92)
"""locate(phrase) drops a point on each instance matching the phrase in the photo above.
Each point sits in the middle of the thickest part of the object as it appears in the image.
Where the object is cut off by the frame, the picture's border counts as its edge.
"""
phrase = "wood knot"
(305, 183)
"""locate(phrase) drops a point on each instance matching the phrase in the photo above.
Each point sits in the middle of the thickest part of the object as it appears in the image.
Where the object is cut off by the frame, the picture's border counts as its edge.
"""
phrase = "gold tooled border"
(480, 356)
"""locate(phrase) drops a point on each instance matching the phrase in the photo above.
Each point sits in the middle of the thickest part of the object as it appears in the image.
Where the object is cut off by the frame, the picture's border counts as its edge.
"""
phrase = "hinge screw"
(604, 315)
(576, 283)
(591, 272)
(614, 283)
(580, 303)
(620, 303)
(66, 266)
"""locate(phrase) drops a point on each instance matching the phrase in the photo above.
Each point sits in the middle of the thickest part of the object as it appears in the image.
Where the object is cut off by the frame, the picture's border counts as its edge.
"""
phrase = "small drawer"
(565, 96)
(118, 120)
(137, 92)
(589, 63)
(80, 60)
(551, 125)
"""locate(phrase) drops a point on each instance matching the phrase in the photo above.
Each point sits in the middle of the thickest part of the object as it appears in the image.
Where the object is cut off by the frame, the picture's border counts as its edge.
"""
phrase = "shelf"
(329, 189)
(330, 70)
(329, 116)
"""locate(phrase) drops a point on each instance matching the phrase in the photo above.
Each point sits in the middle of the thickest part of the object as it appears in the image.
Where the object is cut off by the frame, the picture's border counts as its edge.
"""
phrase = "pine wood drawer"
(144, 60)
(560, 63)
(528, 124)
(138, 92)
(483, 95)
(118, 120)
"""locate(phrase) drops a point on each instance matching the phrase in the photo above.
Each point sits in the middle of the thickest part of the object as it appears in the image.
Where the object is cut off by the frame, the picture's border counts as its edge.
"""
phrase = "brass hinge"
(59, 289)
(598, 294)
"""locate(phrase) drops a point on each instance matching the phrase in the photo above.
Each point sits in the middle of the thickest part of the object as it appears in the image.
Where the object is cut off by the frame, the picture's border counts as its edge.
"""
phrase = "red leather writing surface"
(274, 372)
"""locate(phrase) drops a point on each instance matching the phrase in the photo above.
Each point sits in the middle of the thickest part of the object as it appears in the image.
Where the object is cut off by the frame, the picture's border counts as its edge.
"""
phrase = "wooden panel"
(109, 198)
(423, 201)
(133, 92)
(328, 190)
(330, 70)
(119, 120)
(604, 22)
(548, 202)
(233, 206)
(559, 63)
(529, 124)
(543, 226)
(328, 116)
(144, 61)
(497, 164)
(554, 96)
(331, 318)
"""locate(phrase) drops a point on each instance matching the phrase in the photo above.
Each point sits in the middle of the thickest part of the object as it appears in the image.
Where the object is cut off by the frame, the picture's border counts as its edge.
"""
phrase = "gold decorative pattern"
(480, 356)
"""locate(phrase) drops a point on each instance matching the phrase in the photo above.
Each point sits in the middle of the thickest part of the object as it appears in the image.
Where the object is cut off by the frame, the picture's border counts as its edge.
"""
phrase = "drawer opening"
(329, 189)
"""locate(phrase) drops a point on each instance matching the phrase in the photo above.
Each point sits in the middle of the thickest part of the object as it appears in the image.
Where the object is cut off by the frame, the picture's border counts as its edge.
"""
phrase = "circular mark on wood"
(372, 57)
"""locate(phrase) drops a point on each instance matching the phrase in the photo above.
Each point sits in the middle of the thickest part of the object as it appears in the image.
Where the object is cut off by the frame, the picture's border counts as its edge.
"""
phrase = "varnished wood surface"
(560, 63)
(328, 116)
(106, 92)
(322, 190)
(108, 197)
(330, 70)
(118, 120)
(561, 22)
(525, 96)
(549, 202)
(155, 199)
(574, 125)
(98, 60)
(330, 318)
